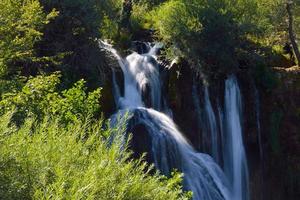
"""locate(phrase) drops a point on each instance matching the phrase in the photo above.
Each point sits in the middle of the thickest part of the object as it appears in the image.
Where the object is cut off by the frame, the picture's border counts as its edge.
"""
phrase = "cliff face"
(272, 146)
(281, 128)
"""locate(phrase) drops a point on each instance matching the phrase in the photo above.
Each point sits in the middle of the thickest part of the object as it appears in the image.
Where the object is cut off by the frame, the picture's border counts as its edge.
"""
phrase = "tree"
(292, 36)
(71, 37)
(21, 24)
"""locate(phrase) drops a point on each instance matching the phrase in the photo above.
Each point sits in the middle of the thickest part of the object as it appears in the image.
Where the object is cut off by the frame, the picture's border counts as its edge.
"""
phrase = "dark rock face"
(277, 174)
(107, 101)
(141, 142)
(179, 93)
(153, 141)
(281, 129)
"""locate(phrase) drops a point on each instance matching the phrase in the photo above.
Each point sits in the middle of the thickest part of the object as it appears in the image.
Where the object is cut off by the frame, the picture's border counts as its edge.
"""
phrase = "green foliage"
(111, 11)
(110, 28)
(73, 33)
(140, 9)
(205, 33)
(75, 104)
(39, 97)
(52, 162)
(297, 18)
(215, 36)
(12, 85)
(137, 19)
(21, 23)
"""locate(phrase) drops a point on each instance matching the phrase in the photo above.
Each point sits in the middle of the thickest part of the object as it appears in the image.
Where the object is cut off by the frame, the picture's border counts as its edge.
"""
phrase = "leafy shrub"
(72, 35)
(21, 23)
(53, 162)
(39, 97)
(205, 33)
(15, 83)
(212, 34)
(140, 9)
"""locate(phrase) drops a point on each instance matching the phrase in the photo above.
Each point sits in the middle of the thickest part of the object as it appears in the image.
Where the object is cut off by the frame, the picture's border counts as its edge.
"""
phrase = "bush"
(212, 34)
(21, 23)
(52, 162)
(40, 97)
(204, 33)
(72, 36)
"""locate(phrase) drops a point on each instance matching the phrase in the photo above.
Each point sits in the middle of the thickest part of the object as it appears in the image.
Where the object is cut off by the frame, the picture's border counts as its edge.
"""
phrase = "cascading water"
(168, 147)
(141, 77)
(206, 121)
(222, 134)
(235, 162)
(226, 142)
(211, 126)
(259, 138)
(170, 150)
(257, 112)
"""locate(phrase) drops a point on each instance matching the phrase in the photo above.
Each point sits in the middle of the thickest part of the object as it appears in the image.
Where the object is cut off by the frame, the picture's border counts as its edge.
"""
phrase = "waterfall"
(141, 79)
(257, 112)
(259, 139)
(170, 150)
(226, 141)
(167, 146)
(222, 134)
(211, 126)
(235, 162)
(206, 121)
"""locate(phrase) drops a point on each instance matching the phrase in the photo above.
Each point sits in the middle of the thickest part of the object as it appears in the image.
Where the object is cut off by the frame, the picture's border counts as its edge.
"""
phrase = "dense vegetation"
(215, 36)
(215, 33)
(48, 161)
(52, 143)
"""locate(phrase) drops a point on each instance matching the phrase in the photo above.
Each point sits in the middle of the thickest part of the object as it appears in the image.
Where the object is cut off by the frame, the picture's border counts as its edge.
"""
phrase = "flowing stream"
(168, 148)
(211, 125)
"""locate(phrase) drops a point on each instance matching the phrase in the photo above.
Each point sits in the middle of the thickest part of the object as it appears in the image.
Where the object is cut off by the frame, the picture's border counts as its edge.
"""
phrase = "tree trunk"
(291, 31)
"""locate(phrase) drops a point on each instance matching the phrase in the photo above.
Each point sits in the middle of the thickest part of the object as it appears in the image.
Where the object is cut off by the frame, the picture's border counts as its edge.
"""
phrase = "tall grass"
(47, 161)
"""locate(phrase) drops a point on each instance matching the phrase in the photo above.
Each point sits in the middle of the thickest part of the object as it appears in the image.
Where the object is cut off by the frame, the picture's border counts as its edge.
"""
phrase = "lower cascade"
(155, 132)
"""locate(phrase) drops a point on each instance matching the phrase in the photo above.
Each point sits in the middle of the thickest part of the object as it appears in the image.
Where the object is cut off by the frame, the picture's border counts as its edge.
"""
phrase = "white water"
(257, 112)
(211, 126)
(235, 162)
(140, 75)
(226, 141)
(222, 134)
(169, 148)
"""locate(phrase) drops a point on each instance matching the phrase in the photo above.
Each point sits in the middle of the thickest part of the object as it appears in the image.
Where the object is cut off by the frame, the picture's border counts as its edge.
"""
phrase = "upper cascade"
(142, 84)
